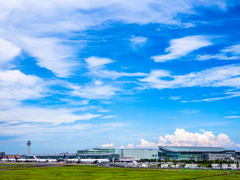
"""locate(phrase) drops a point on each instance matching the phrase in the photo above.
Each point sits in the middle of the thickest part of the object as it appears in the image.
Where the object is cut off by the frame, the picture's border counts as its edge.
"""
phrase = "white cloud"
(103, 110)
(114, 75)
(229, 95)
(15, 85)
(108, 145)
(229, 53)
(29, 24)
(8, 51)
(184, 138)
(96, 62)
(217, 56)
(97, 68)
(130, 146)
(175, 97)
(46, 131)
(183, 46)
(231, 117)
(33, 114)
(51, 54)
(94, 91)
(131, 12)
(138, 40)
(98, 82)
(235, 49)
(215, 77)
(109, 116)
(146, 144)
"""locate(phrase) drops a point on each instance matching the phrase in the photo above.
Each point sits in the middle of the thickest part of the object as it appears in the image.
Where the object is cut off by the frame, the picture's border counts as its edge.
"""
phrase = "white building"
(140, 153)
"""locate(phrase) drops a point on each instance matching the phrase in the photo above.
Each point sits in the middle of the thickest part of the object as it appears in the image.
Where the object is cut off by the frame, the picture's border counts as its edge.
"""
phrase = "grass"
(95, 172)
(11, 166)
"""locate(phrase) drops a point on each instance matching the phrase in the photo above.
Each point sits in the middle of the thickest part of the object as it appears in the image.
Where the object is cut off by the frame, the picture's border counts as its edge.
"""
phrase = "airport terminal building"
(195, 153)
(140, 153)
(97, 151)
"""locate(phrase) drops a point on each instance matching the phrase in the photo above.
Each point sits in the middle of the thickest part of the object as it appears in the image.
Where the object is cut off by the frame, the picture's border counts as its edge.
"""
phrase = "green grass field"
(95, 172)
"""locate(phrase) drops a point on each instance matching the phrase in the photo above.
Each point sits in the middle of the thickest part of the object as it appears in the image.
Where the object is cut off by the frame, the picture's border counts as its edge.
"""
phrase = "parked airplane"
(39, 160)
(94, 160)
(70, 160)
(51, 160)
(8, 159)
(78, 159)
(44, 160)
(20, 160)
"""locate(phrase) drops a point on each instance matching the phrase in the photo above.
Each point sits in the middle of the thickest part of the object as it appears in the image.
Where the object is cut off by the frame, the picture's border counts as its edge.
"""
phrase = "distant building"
(238, 154)
(128, 159)
(109, 156)
(12, 155)
(2, 155)
(195, 153)
(140, 153)
(96, 151)
(216, 156)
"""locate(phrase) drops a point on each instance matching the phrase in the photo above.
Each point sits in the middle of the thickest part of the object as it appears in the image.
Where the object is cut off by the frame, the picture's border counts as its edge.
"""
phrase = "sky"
(124, 74)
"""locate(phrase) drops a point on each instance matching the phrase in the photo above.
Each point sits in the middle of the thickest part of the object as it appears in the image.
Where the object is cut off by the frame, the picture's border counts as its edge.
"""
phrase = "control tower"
(28, 144)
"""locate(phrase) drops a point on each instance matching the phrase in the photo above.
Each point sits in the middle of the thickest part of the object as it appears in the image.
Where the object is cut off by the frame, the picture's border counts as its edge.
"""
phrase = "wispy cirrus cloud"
(228, 95)
(175, 97)
(94, 90)
(215, 77)
(229, 53)
(97, 62)
(23, 23)
(19, 114)
(183, 46)
(52, 54)
(109, 116)
(232, 117)
(96, 68)
(138, 41)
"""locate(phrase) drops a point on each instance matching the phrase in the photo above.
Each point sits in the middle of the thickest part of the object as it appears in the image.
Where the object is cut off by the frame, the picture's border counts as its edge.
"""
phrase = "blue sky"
(120, 74)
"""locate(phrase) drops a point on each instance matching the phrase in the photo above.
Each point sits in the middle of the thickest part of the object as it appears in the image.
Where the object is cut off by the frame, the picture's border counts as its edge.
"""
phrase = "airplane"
(8, 159)
(70, 160)
(94, 160)
(39, 160)
(4, 160)
(20, 160)
(78, 159)
(29, 160)
(51, 160)
(44, 160)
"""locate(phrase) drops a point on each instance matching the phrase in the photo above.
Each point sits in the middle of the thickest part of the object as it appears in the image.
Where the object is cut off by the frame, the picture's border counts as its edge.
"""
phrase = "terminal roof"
(191, 149)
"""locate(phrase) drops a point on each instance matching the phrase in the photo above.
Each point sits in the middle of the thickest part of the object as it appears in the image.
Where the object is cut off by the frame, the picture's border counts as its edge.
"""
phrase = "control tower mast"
(28, 144)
